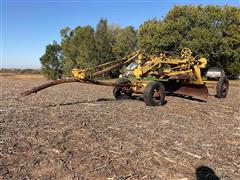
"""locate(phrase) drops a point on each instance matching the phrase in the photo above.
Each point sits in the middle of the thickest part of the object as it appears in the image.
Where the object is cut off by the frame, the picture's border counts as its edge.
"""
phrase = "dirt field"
(77, 131)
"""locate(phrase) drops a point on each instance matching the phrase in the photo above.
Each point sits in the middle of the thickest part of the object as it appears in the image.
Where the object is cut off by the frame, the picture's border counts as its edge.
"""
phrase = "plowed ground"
(79, 131)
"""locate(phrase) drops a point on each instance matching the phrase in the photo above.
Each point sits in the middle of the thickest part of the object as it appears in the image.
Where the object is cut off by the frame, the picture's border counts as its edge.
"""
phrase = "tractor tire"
(222, 87)
(120, 92)
(156, 89)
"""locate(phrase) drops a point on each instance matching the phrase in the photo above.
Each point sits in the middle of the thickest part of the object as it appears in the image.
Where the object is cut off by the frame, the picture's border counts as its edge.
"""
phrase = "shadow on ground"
(137, 98)
(206, 173)
(134, 97)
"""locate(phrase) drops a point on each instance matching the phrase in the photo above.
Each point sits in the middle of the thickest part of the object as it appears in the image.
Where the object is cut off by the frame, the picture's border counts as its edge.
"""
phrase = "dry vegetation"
(79, 131)
(16, 76)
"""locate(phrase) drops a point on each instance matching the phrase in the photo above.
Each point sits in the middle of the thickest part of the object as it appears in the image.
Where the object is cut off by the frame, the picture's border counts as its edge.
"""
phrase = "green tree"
(79, 48)
(125, 42)
(149, 36)
(52, 61)
(210, 31)
(103, 42)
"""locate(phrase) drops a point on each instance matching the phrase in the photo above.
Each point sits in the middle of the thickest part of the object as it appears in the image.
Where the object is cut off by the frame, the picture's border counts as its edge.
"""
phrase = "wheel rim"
(224, 89)
(122, 93)
(157, 96)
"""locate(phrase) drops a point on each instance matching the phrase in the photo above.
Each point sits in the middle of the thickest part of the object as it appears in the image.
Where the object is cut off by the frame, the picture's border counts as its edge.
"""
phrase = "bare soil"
(79, 131)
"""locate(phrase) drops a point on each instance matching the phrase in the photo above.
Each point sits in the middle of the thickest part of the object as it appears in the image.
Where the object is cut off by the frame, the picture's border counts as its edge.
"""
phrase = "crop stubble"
(79, 131)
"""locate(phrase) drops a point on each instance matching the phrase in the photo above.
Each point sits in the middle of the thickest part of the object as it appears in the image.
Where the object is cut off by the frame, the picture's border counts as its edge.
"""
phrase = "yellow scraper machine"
(179, 75)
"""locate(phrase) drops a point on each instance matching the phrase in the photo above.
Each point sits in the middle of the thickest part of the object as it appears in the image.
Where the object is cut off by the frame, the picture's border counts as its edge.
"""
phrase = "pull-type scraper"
(173, 75)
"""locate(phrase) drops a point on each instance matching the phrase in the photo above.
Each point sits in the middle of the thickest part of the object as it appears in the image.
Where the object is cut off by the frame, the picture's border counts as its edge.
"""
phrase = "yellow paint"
(185, 65)
(79, 74)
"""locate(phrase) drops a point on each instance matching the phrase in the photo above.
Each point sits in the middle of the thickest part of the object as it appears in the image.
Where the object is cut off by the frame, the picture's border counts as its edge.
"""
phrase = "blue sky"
(28, 26)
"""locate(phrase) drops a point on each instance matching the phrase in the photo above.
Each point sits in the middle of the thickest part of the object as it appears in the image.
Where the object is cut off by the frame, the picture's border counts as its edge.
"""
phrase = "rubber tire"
(117, 90)
(148, 94)
(222, 80)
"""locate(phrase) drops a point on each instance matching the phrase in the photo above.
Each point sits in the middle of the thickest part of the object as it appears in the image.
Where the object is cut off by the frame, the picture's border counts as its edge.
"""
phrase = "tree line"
(209, 31)
(83, 47)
